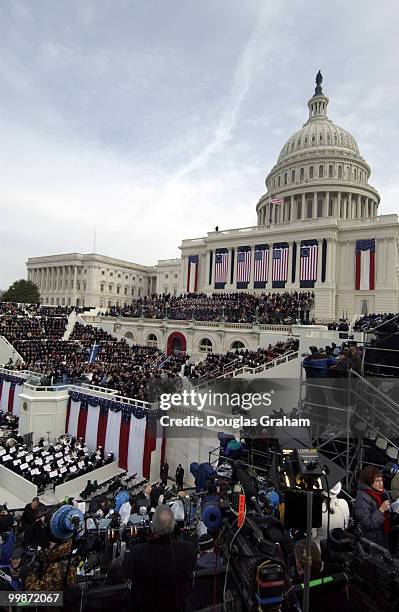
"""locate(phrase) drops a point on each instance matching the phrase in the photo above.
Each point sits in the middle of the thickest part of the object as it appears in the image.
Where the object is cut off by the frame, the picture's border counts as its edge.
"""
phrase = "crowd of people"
(51, 464)
(173, 561)
(238, 307)
(370, 321)
(216, 364)
(333, 360)
(94, 356)
(38, 327)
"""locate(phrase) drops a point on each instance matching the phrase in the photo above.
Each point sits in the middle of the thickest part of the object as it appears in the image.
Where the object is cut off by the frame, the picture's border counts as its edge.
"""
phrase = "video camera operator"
(161, 568)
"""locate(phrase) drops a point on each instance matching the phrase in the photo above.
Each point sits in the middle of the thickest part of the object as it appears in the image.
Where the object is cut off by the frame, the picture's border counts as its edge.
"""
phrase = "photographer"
(6, 519)
(29, 516)
(372, 507)
(161, 568)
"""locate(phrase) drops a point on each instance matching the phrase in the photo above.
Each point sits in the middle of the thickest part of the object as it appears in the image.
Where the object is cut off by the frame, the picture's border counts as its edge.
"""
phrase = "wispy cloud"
(262, 34)
(158, 128)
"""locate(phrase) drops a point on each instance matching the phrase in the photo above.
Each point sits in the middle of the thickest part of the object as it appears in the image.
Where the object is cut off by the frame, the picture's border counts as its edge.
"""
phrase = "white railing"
(224, 369)
(248, 370)
(45, 388)
(263, 367)
(276, 327)
(158, 360)
(110, 393)
(15, 352)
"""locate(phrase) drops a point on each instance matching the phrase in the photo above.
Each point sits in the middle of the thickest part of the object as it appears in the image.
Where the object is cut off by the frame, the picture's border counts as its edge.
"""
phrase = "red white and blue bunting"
(123, 429)
(10, 389)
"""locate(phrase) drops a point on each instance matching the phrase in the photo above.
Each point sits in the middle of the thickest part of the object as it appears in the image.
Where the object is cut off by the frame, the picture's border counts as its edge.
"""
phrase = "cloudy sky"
(156, 120)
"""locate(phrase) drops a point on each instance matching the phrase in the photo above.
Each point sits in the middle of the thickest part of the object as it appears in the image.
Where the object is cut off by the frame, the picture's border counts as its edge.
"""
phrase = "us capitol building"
(318, 229)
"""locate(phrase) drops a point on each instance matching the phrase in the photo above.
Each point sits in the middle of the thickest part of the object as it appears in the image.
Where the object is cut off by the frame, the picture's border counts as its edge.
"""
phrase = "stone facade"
(89, 280)
(317, 191)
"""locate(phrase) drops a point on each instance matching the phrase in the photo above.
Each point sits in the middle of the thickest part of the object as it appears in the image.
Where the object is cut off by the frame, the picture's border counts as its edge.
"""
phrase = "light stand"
(308, 559)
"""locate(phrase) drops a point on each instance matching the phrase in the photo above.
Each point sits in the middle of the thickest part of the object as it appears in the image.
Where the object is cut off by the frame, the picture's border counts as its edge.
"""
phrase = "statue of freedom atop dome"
(319, 79)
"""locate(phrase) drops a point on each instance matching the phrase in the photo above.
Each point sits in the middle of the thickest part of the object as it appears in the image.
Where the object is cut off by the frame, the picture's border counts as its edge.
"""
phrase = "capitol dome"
(318, 133)
(319, 173)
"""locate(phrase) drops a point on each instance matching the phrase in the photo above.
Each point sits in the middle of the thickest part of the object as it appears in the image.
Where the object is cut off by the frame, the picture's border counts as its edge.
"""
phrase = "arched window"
(293, 176)
(339, 171)
(311, 172)
(299, 209)
(237, 344)
(330, 171)
(129, 335)
(152, 340)
(355, 174)
(205, 345)
(309, 209)
(321, 171)
(302, 174)
(285, 178)
(279, 181)
(319, 208)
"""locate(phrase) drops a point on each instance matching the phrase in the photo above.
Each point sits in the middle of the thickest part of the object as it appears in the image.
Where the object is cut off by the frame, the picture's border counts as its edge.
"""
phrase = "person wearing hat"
(207, 557)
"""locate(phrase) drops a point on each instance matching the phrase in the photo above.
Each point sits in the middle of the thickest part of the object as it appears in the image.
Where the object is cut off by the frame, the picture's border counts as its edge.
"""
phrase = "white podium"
(42, 410)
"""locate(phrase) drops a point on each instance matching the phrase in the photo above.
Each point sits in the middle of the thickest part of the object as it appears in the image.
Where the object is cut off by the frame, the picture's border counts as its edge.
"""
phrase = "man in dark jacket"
(372, 506)
(179, 476)
(161, 568)
(164, 473)
(29, 515)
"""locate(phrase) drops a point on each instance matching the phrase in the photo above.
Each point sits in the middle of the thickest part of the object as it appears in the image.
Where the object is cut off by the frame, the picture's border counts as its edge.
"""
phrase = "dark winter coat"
(368, 517)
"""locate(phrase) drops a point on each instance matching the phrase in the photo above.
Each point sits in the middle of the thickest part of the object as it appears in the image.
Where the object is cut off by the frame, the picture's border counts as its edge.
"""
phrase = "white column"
(319, 258)
(289, 275)
(298, 261)
(349, 216)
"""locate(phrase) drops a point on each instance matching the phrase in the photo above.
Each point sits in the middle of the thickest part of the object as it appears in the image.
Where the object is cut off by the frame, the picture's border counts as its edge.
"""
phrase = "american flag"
(277, 200)
(243, 267)
(280, 264)
(365, 264)
(221, 262)
(192, 274)
(261, 266)
(308, 263)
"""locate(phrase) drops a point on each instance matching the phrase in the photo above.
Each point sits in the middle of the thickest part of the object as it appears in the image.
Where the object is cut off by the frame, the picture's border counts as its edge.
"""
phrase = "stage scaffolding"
(350, 417)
